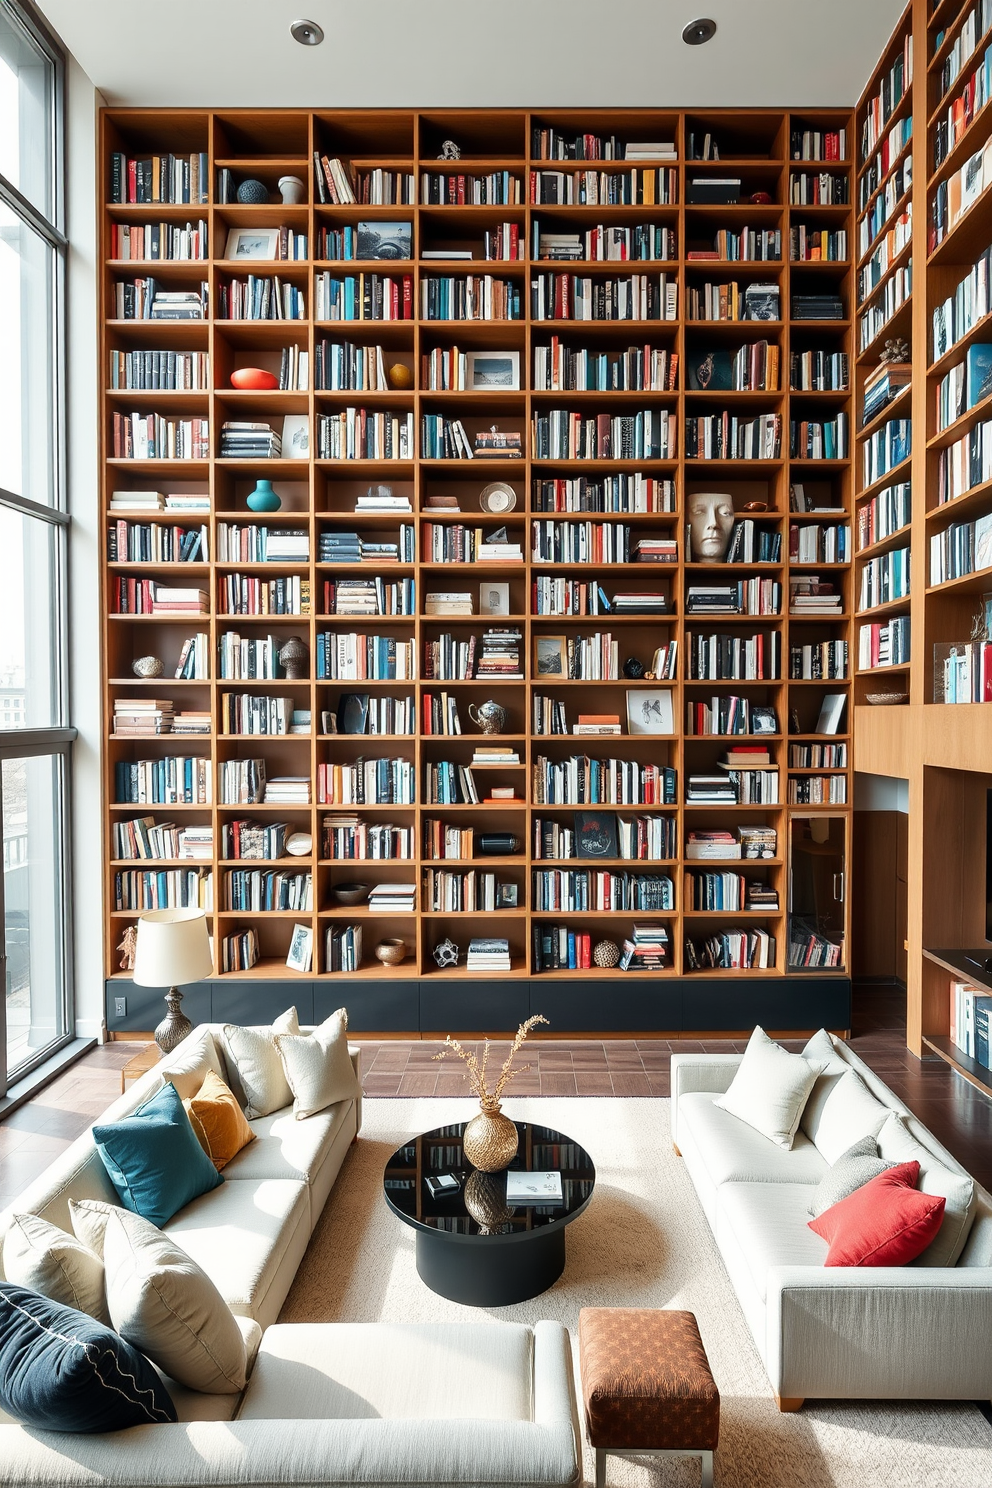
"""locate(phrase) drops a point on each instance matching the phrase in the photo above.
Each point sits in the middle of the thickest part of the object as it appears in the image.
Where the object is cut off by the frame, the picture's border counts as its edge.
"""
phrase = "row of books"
(887, 249)
(156, 542)
(582, 780)
(884, 644)
(560, 368)
(884, 578)
(605, 835)
(817, 790)
(576, 297)
(962, 672)
(889, 149)
(154, 371)
(578, 890)
(709, 892)
(561, 435)
(163, 888)
(554, 596)
(730, 950)
(969, 1022)
(962, 548)
(365, 782)
(589, 188)
(753, 658)
(267, 890)
(965, 463)
(961, 311)
(885, 514)
(179, 179)
(562, 948)
(879, 215)
(450, 892)
(646, 242)
(818, 661)
(895, 294)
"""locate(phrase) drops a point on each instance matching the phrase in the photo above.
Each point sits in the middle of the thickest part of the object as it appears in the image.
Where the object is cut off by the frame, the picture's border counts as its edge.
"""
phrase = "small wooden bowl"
(391, 952)
(880, 699)
(350, 893)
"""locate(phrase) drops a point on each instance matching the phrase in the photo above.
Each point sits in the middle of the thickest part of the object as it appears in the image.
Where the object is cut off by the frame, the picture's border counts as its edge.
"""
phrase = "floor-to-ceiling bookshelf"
(778, 194)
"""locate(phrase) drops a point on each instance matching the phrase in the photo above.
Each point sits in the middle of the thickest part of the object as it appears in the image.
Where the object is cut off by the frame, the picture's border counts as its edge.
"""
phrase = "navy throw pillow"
(61, 1370)
(153, 1158)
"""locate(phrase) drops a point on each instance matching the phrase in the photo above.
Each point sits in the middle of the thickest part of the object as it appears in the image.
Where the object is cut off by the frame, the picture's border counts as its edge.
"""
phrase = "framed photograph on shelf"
(494, 599)
(649, 711)
(551, 656)
(296, 436)
(300, 954)
(252, 243)
(764, 721)
(492, 371)
(596, 834)
(506, 896)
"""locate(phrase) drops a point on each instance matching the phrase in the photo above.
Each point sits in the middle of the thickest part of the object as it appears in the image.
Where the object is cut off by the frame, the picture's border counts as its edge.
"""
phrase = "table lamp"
(173, 947)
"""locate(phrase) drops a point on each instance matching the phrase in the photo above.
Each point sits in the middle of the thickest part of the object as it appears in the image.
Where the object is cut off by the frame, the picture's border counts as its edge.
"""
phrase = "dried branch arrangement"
(476, 1068)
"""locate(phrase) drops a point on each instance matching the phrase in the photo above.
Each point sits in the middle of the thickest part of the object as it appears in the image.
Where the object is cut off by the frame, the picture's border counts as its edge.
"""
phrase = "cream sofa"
(911, 1332)
(383, 1403)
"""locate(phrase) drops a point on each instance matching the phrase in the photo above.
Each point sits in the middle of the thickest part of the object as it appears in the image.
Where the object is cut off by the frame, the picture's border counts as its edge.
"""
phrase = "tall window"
(35, 739)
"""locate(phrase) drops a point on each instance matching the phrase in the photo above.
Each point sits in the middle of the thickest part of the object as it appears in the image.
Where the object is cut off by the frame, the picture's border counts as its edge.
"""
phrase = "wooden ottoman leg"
(706, 1480)
(787, 1403)
(600, 1467)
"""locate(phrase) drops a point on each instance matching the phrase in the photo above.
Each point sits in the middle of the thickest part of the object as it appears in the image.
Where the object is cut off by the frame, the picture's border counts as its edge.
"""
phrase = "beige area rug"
(643, 1241)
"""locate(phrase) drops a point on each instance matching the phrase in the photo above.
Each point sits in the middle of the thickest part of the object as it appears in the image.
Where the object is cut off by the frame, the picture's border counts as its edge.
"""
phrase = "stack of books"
(884, 383)
(343, 948)
(491, 954)
(711, 599)
(761, 896)
(196, 842)
(287, 545)
(188, 501)
(287, 790)
(560, 245)
(757, 842)
(500, 659)
(393, 898)
(301, 721)
(745, 757)
(813, 596)
(140, 716)
(437, 502)
(241, 440)
(183, 304)
(817, 307)
(491, 444)
(647, 950)
(381, 499)
(716, 845)
(496, 547)
(166, 601)
(449, 602)
(495, 754)
(139, 501)
(340, 547)
(656, 550)
(641, 602)
(191, 721)
(597, 723)
(355, 597)
(705, 790)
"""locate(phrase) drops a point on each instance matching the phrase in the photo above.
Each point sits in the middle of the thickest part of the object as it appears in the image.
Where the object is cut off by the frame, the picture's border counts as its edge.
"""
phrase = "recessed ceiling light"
(307, 33)
(699, 31)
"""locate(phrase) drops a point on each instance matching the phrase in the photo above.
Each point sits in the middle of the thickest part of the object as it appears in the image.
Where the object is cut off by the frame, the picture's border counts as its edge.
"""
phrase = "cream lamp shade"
(173, 948)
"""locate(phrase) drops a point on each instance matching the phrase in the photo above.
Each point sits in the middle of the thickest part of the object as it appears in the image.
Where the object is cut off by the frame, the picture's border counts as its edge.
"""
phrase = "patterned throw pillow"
(853, 1169)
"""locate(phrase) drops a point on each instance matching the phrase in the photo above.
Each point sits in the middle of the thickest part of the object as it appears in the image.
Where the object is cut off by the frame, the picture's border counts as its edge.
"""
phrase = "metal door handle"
(839, 879)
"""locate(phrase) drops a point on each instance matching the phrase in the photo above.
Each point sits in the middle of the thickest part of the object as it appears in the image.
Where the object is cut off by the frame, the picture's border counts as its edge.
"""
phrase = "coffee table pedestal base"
(486, 1272)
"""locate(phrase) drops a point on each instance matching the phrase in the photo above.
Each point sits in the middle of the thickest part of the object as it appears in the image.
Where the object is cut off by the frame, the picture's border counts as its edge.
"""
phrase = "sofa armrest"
(707, 1072)
(885, 1332)
(355, 1055)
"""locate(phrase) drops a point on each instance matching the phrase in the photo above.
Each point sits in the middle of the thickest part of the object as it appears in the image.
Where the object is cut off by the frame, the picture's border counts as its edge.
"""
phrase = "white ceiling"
(410, 53)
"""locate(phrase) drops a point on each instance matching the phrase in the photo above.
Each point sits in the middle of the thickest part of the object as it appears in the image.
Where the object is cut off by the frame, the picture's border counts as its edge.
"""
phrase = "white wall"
(82, 101)
(880, 793)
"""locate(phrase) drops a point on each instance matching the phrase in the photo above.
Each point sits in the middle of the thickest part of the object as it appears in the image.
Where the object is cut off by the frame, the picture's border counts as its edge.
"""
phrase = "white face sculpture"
(711, 521)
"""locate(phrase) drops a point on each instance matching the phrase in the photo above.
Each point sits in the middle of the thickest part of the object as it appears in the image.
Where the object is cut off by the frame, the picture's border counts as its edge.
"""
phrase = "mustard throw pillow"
(218, 1120)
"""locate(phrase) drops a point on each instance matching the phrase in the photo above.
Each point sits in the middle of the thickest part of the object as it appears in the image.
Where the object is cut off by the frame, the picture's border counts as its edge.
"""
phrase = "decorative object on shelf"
(489, 716)
(761, 198)
(254, 380)
(895, 350)
(795, 727)
(497, 498)
(299, 844)
(633, 669)
(172, 947)
(252, 193)
(299, 957)
(449, 150)
(127, 948)
(881, 699)
(263, 498)
(485, 1200)
(400, 376)
(293, 190)
(497, 845)
(755, 506)
(711, 525)
(490, 1139)
(148, 667)
(446, 953)
(294, 658)
(391, 952)
(606, 953)
(350, 893)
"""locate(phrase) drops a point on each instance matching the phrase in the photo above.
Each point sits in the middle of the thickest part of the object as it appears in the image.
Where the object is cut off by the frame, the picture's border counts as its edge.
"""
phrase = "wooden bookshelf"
(319, 496)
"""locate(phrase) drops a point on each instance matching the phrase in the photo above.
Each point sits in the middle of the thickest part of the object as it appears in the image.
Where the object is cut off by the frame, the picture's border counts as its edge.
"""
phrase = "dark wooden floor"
(958, 1115)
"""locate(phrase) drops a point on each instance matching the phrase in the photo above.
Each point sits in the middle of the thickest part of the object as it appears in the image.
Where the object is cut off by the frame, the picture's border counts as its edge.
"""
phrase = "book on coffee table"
(533, 1188)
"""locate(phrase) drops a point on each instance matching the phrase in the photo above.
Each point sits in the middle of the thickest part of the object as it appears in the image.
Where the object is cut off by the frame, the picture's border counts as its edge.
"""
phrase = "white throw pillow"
(821, 1051)
(897, 1144)
(769, 1089)
(89, 1222)
(166, 1306)
(318, 1067)
(39, 1255)
(849, 1113)
(254, 1055)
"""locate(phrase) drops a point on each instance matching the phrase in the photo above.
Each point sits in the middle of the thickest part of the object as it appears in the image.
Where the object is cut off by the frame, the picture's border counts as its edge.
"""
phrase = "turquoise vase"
(263, 498)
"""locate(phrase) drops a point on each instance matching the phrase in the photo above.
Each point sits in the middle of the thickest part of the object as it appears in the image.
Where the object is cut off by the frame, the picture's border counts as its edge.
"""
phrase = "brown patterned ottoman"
(647, 1386)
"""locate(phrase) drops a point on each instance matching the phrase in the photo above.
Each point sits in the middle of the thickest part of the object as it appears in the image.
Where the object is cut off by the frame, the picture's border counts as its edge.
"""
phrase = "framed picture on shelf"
(551, 656)
(506, 896)
(252, 243)
(764, 721)
(596, 834)
(385, 240)
(296, 436)
(649, 711)
(300, 954)
(493, 371)
(831, 712)
(494, 599)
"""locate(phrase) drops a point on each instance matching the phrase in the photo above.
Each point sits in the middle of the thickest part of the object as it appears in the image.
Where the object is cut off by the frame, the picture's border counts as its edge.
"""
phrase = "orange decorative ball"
(400, 376)
(254, 380)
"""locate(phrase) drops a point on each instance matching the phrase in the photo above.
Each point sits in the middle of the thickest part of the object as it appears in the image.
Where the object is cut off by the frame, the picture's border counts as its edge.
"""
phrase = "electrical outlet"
(120, 1007)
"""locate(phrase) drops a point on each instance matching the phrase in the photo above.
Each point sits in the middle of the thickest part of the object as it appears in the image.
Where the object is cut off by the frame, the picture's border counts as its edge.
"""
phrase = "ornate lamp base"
(175, 1026)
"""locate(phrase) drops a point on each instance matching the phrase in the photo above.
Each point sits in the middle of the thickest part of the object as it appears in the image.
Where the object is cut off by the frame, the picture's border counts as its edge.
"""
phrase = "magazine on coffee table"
(533, 1188)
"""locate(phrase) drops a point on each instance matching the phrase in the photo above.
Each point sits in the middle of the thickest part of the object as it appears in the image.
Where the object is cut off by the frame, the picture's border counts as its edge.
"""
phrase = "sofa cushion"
(254, 1055)
(733, 1152)
(853, 1169)
(191, 1061)
(61, 1370)
(318, 1066)
(898, 1144)
(240, 1234)
(217, 1120)
(767, 1223)
(849, 1113)
(888, 1222)
(820, 1050)
(769, 1089)
(392, 1371)
(154, 1161)
(287, 1148)
(40, 1256)
(197, 1405)
(161, 1301)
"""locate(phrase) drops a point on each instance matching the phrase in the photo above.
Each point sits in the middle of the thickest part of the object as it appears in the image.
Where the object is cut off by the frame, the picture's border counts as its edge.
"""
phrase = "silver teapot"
(490, 717)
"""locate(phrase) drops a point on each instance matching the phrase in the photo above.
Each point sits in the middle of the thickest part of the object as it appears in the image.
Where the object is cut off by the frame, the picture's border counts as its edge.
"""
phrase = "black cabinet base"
(487, 1273)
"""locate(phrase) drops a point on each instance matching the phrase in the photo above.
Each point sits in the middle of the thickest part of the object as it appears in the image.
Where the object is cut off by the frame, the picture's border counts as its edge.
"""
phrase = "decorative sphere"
(400, 376)
(633, 669)
(263, 498)
(761, 198)
(606, 954)
(147, 666)
(254, 380)
(299, 844)
(252, 193)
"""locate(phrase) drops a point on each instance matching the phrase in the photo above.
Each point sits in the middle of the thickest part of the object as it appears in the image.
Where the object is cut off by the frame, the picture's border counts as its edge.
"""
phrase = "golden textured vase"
(485, 1200)
(490, 1141)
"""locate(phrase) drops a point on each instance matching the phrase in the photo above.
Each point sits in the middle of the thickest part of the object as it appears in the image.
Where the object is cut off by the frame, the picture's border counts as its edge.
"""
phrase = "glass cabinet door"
(817, 891)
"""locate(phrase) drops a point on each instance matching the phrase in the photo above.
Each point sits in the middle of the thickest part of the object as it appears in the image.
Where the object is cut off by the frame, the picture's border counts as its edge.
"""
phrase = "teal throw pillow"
(153, 1158)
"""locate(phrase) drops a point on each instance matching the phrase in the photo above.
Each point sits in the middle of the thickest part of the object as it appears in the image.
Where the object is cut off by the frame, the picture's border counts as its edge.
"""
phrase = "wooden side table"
(139, 1065)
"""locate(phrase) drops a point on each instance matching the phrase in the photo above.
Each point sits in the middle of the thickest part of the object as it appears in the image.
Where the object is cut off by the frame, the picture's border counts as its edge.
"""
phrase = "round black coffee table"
(471, 1246)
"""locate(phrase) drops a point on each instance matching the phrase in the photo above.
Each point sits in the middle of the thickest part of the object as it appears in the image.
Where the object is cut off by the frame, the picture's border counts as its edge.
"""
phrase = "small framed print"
(506, 896)
(328, 722)
(551, 656)
(492, 371)
(649, 711)
(300, 954)
(252, 243)
(296, 436)
(494, 599)
(764, 721)
(596, 834)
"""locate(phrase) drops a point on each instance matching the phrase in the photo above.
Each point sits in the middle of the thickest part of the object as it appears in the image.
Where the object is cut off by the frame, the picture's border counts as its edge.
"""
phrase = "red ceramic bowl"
(254, 380)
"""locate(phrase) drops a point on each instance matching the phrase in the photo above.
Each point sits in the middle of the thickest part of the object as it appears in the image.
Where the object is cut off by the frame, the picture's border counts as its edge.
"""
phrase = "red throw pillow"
(887, 1222)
